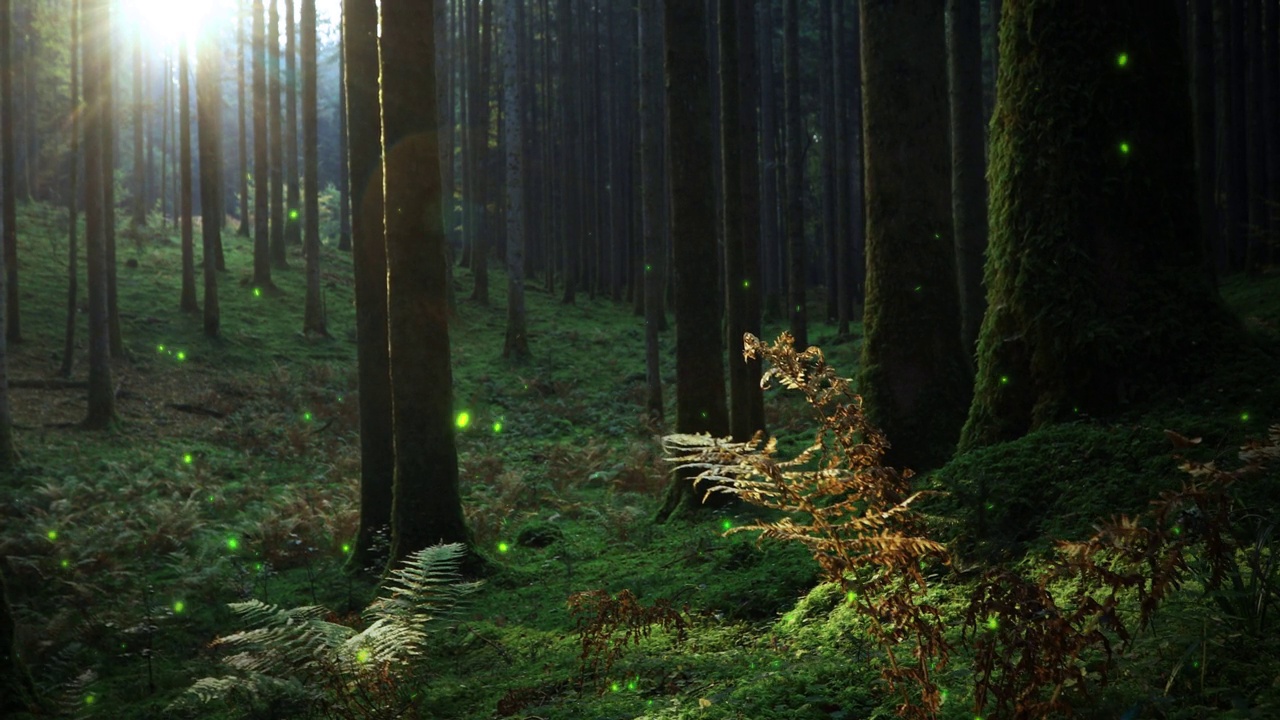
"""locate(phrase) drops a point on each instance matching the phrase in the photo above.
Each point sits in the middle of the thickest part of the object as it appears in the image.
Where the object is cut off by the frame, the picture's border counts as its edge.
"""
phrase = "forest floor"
(233, 474)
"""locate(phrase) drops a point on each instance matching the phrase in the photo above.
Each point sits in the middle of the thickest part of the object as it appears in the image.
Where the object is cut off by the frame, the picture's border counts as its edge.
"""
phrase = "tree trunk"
(478, 97)
(741, 223)
(293, 209)
(139, 204)
(8, 154)
(313, 320)
(769, 238)
(114, 337)
(209, 126)
(427, 507)
(1206, 149)
(1255, 139)
(516, 346)
(101, 412)
(275, 138)
(261, 168)
(1097, 289)
(344, 175)
(827, 146)
(968, 165)
(187, 302)
(796, 264)
(73, 199)
(364, 148)
(652, 181)
(243, 229)
(913, 374)
(700, 396)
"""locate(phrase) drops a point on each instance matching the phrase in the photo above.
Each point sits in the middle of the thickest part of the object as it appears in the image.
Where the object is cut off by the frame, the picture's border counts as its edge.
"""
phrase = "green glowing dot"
(615, 687)
(991, 506)
(726, 524)
(306, 417)
(1122, 59)
(850, 596)
(257, 566)
(1177, 530)
(210, 498)
(187, 458)
(257, 292)
(937, 236)
(503, 547)
(179, 606)
(704, 413)
(1004, 379)
(1124, 148)
(497, 426)
(52, 534)
(746, 284)
(1244, 417)
(648, 268)
(992, 623)
(181, 355)
(65, 563)
(346, 548)
(232, 543)
(293, 214)
(464, 419)
(797, 308)
(90, 699)
(918, 288)
(341, 399)
(942, 696)
(631, 684)
(159, 348)
(362, 656)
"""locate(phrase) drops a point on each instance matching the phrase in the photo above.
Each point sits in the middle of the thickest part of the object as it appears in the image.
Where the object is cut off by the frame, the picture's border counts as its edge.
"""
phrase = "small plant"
(606, 625)
(328, 662)
(853, 514)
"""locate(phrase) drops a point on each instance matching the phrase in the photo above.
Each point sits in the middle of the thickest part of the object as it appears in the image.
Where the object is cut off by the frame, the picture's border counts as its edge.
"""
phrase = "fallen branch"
(197, 410)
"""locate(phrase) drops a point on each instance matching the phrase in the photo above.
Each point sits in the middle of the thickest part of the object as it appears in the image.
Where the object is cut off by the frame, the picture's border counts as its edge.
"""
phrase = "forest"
(663, 359)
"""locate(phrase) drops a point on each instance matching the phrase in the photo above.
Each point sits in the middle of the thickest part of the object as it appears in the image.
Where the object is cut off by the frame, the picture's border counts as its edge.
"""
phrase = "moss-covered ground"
(233, 471)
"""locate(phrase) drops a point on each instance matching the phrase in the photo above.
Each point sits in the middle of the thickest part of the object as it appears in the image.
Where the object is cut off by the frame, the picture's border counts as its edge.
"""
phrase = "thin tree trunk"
(516, 346)
(8, 153)
(313, 317)
(108, 187)
(241, 69)
(101, 411)
(344, 177)
(968, 165)
(261, 169)
(187, 302)
(275, 138)
(73, 198)
(139, 203)
(209, 126)
(294, 209)
(652, 180)
(796, 261)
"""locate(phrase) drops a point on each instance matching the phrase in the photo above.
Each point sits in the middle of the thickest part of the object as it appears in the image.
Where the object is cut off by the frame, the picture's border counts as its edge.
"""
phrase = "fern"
(338, 669)
(854, 514)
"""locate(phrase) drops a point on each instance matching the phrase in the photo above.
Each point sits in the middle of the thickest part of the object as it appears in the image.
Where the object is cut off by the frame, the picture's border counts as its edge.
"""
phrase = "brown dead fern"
(854, 514)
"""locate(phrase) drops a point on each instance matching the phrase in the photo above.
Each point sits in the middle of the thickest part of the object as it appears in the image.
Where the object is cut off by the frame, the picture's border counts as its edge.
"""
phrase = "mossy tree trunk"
(913, 372)
(700, 395)
(1096, 290)
(426, 507)
(369, 256)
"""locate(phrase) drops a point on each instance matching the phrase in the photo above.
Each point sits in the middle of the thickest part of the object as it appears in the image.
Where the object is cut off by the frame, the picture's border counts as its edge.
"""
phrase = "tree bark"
(700, 396)
(968, 165)
(344, 176)
(275, 138)
(1096, 288)
(913, 375)
(101, 411)
(139, 204)
(209, 127)
(261, 166)
(653, 177)
(8, 155)
(294, 210)
(73, 200)
(243, 229)
(313, 320)
(796, 264)
(364, 148)
(427, 506)
(516, 345)
(187, 301)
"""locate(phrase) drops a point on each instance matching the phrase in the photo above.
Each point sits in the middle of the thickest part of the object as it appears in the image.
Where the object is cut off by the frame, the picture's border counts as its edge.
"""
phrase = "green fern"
(340, 670)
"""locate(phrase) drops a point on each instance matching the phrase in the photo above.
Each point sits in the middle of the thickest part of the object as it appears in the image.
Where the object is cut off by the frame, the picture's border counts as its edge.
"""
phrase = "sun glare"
(164, 22)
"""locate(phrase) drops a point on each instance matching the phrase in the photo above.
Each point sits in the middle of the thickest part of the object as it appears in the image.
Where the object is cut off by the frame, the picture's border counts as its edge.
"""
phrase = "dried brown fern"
(854, 514)
(606, 625)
